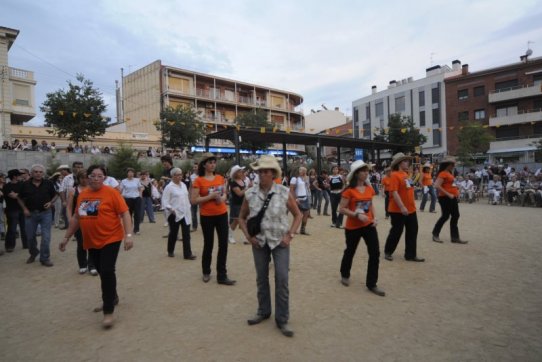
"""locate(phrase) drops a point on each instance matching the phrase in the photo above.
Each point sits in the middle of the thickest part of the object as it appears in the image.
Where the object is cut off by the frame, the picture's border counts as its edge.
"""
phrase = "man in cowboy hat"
(402, 210)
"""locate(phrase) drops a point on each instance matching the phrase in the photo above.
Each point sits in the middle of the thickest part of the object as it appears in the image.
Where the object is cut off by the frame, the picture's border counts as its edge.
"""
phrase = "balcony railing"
(21, 73)
(519, 91)
(524, 116)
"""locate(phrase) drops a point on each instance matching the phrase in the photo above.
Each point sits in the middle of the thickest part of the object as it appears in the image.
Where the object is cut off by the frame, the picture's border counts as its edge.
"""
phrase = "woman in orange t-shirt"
(448, 192)
(97, 212)
(357, 204)
(428, 189)
(209, 192)
(386, 186)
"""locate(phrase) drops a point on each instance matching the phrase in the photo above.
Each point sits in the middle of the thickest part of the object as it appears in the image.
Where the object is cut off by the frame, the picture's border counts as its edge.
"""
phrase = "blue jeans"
(45, 220)
(281, 260)
(325, 195)
(430, 193)
(146, 206)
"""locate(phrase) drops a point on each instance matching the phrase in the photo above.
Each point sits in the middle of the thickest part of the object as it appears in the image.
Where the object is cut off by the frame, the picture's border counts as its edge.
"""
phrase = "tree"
(538, 151)
(124, 158)
(256, 119)
(473, 139)
(180, 127)
(401, 130)
(77, 112)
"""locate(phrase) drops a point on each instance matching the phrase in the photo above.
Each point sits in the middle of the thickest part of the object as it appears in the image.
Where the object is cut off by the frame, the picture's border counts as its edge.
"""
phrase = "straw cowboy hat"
(267, 162)
(356, 165)
(63, 167)
(206, 156)
(448, 159)
(234, 170)
(398, 158)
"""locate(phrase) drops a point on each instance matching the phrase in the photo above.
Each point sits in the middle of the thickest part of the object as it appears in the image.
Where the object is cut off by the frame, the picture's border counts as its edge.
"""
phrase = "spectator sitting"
(512, 189)
(6, 146)
(106, 150)
(466, 188)
(494, 189)
(33, 146)
(44, 147)
(95, 150)
(78, 149)
(529, 192)
(69, 149)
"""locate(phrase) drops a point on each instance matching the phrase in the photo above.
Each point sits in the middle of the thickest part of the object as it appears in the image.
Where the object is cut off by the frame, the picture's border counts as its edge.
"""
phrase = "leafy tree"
(124, 158)
(256, 119)
(76, 113)
(180, 127)
(401, 130)
(538, 151)
(473, 139)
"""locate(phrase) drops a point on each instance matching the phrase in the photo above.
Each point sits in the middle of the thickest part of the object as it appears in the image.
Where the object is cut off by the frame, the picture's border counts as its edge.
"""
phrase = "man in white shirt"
(512, 189)
(467, 189)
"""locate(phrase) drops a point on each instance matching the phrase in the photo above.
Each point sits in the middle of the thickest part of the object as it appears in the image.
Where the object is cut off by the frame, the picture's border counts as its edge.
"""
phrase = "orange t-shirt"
(99, 216)
(427, 180)
(401, 182)
(448, 184)
(358, 201)
(210, 208)
(278, 181)
(386, 183)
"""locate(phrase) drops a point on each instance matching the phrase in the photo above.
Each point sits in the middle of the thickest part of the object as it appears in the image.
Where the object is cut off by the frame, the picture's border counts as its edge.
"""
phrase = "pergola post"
(318, 157)
(207, 142)
(236, 143)
(339, 156)
(284, 158)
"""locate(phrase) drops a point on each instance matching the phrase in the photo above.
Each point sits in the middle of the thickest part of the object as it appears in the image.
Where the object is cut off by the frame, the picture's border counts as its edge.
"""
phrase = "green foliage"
(124, 158)
(538, 151)
(52, 166)
(401, 130)
(180, 127)
(473, 139)
(75, 113)
(256, 119)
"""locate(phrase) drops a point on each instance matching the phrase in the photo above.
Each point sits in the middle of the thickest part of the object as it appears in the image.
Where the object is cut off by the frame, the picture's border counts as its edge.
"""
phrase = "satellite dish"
(529, 52)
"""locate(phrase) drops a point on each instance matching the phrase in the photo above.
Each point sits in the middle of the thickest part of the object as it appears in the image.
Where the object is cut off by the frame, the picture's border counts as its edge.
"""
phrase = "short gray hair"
(175, 170)
(37, 165)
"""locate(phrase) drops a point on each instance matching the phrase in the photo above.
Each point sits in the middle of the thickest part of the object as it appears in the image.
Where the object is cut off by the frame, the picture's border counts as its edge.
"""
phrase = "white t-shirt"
(111, 181)
(130, 188)
(300, 186)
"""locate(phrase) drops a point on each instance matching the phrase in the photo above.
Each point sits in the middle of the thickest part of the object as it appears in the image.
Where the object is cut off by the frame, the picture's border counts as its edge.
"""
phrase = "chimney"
(393, 84)
(373, 89)
(410, 80)
(465, 69)
(432, 71)
(456, 65)
(337, 109)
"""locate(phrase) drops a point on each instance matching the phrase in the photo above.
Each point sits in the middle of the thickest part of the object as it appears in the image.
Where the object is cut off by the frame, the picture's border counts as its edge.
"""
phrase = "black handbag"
(254, 226)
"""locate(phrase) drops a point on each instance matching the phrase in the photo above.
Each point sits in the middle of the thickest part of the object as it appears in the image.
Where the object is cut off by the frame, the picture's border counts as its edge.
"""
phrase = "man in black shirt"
(36, 197)
(14, 213)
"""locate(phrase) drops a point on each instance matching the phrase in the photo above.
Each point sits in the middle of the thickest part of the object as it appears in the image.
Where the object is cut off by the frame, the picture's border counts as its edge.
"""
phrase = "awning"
(508, 150)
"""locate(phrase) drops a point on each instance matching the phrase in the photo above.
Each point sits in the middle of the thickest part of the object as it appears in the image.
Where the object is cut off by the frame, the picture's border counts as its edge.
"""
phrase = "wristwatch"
(291, 235)
(128, 235)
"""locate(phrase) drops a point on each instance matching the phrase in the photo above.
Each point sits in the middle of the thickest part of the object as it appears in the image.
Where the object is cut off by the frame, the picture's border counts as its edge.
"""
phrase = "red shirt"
(401, 182)
(359, 202)
(448, 184)
(210, 208)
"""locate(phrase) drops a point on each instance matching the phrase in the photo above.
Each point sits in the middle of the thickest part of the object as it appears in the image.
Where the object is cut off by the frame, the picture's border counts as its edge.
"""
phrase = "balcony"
(516, 144)
(517, 92)
(16, 74)
(533, 115)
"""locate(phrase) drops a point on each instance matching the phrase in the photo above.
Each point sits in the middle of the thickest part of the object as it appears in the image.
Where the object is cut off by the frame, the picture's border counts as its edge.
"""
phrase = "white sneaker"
(231, 239)
(93, 272)
(166, 224)
(82, 270)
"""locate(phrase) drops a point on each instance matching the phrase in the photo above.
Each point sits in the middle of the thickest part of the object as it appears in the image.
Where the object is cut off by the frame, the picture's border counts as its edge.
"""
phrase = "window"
(21, 95)
(436, 116)
(400, 104)
(537, 128)
(367, 130)
(463, 94)
(379, 109)
(463, 116)
(277, 102)
(507, 111)
(179, 84)
(479, 91)
(507, 132)
(507, 85)
(537, 78)
(436, 137)
(422, 118)
(435, 94)
(356, 122)
(421, 98)
(368, 111)
(480, 114)
(537, 104)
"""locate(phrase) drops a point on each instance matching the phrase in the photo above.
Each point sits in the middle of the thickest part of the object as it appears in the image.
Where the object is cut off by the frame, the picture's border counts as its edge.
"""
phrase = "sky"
(330, 52)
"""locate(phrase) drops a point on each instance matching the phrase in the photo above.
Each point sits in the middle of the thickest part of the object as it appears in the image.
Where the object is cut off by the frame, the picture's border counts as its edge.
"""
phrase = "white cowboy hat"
(448, 159)
(356, 165)
(267, 162)
(206, 156)
(234, 170)
(398, 158)
(63, 167)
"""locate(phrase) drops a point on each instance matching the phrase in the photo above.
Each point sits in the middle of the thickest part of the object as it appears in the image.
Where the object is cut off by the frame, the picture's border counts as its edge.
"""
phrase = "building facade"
(423, 100)
(17, 100)
(507, 100)
(321, 120)
(147, 91)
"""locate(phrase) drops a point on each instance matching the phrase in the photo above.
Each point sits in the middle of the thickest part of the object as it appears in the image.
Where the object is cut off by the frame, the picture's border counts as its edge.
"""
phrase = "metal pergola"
(281, 137)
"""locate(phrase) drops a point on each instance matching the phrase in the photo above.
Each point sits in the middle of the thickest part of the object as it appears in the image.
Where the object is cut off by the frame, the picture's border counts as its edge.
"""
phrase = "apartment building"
(423, 100)
(507, 100)
(219, 100)
(324, 119)
(17, 100)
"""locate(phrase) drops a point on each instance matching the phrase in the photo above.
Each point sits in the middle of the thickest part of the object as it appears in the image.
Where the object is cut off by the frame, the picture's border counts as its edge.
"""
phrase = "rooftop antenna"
(529, 52)
(431, 57)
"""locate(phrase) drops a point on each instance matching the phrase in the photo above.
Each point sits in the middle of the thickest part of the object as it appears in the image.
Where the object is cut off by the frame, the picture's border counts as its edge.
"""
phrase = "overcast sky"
(330, 52)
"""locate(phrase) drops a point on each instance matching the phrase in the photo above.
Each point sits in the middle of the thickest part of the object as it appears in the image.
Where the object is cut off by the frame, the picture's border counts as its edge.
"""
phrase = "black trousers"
(370, 236)
(13, 219)
(134, 206)
(83, 259)
(208, 226)
(386, 202)
(399, 222)
(449, 208)
(174, 232)
(104, 260)
(336, 218)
